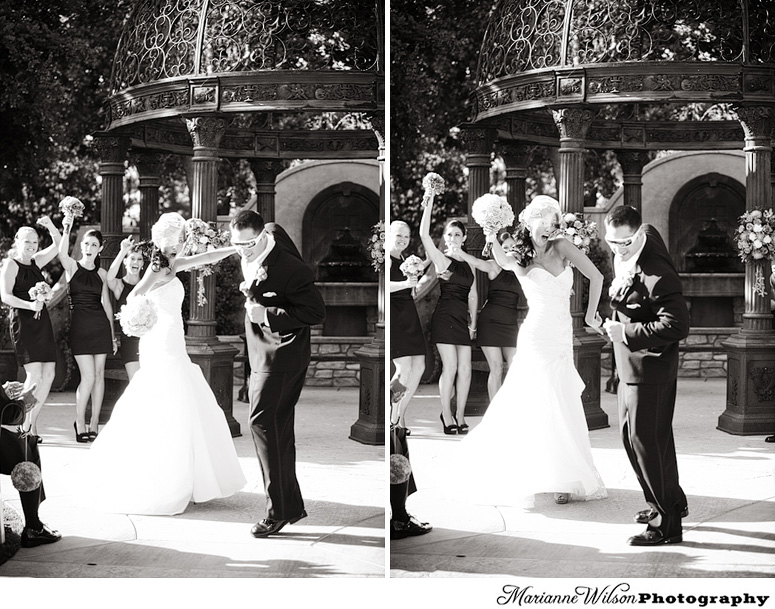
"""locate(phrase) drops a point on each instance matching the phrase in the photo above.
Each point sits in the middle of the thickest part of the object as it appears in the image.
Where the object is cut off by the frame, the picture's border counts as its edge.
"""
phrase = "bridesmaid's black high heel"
(461, 429)
(80, 437)
(449, 430)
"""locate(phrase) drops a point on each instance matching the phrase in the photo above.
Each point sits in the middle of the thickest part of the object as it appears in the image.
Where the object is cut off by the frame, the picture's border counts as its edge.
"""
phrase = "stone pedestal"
(215, 358)
(573, 124)
(370, 426)
(750, 407)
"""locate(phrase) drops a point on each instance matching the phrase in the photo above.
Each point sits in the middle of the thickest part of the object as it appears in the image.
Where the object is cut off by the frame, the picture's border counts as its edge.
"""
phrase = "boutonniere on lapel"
(260, 276)
(621, 284)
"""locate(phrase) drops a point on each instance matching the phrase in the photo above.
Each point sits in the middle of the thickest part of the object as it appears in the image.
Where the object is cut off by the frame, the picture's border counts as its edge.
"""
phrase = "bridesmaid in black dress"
(91, 327)
(131, 255)
(497, 325)
(453, 325)
(33, 338)
(407, 341)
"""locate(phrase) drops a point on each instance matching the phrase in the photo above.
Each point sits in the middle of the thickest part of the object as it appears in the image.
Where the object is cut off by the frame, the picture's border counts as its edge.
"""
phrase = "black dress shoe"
(646, 516)
(654, 537)
(410, 528)
(92, 436)
(80, 437)
(769, 439)
(269, 526)
(37, 537)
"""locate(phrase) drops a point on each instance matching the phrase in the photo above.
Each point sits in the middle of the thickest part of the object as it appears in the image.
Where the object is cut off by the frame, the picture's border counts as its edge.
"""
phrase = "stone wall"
(334, 363)
(701, 354)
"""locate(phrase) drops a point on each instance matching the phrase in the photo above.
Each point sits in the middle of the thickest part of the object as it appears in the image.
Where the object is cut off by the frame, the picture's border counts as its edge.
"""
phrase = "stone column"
(632, 162)
(573, 124)
(750, 407)
(113, 151)
(370, 426)
(149, 166)
(266, 172)
(515, 157)
(478, 144)
(215, 358)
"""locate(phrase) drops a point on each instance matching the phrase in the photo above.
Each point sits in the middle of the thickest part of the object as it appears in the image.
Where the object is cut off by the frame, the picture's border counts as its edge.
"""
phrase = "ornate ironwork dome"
(539, 53)
(187, 57)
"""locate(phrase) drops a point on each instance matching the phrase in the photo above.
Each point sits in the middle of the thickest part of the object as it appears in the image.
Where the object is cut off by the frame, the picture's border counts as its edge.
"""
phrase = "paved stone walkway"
(729, 481)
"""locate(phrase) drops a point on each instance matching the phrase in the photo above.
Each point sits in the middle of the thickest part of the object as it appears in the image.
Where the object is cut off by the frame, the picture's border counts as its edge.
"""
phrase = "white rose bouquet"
(42, 292)
(137, 316)
(755, 234)
(492, 212)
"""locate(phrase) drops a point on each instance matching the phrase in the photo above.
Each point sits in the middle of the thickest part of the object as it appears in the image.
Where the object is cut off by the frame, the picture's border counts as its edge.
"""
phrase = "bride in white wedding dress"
(167, 441)
(533, 437)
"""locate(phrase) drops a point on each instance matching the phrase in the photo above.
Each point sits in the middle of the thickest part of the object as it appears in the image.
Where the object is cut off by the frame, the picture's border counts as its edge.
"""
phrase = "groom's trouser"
(13, 450)
(646, 424)
(273, 397)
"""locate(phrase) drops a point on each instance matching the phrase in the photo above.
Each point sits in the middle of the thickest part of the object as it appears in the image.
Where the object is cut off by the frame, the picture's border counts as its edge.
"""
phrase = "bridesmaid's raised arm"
(70, 265)
(440, 261)
(43, 257)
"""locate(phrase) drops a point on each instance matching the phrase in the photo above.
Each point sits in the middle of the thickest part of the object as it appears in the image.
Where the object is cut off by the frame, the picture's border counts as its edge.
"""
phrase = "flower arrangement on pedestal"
(754, 239)
(376, 246)
(201, 237)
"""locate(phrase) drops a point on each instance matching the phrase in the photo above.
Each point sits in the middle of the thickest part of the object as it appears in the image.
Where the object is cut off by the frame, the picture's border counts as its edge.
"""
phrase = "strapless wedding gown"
(533, 437)
(167, 441)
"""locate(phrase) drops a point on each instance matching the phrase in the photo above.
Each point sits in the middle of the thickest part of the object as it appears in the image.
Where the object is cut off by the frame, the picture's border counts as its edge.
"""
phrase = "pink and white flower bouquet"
(578, 231)
(433, 184)
(376, 246)
(413, 266)
(755, 235)
(71, 208)
(203, 237)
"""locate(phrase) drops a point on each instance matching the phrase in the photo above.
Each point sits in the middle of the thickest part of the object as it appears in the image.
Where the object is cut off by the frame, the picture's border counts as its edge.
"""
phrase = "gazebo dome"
(179, 58)
(539, 53)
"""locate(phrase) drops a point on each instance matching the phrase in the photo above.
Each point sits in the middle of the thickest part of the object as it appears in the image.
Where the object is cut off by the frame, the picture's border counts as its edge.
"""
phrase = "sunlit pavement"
(343, 483)
(729, 481)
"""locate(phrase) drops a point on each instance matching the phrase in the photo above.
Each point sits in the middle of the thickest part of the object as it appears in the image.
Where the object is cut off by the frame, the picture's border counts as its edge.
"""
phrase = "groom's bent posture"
(650, 318)
(282, 303)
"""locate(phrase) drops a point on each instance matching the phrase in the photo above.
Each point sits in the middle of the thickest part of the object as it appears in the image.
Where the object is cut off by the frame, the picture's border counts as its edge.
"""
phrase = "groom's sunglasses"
(623, 242)
(248, 244)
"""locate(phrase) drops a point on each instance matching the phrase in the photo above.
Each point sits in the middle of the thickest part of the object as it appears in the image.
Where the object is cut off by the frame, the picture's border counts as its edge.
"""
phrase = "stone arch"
(706, 197)
(345, 206)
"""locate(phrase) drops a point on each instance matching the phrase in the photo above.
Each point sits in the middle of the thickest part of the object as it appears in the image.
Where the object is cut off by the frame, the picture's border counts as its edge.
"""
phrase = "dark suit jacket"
(655, 315)
(293, 305)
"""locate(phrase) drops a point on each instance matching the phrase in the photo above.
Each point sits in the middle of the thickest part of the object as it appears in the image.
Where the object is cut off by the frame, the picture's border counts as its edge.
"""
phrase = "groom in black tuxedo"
(650, 318)
(282, 303)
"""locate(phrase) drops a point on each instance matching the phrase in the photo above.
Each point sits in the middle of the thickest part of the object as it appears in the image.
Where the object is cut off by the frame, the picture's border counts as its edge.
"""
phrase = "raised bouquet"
(578, 231)
(492, 212)
(203, 237)
(413, 266)
(71, 208)
(376, 246)
(433, 184)
(137, 316)
(41, 291)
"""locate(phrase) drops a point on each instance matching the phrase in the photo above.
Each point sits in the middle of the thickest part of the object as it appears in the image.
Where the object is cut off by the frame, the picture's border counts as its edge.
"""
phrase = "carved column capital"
(514, 154)
(377, 122)
(148, 162)
(478, 141)
(111, 148)
(206, 131)
(632, 161)
(757, 122)
(573, 123)
(266, 170)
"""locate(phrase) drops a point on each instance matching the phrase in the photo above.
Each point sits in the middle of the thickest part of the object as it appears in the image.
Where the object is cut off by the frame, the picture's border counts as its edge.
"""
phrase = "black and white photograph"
(582, 287)
(193, 343)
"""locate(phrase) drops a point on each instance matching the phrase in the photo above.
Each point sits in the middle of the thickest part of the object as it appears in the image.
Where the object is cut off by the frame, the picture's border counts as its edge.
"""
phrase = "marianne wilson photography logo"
(620, 594)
